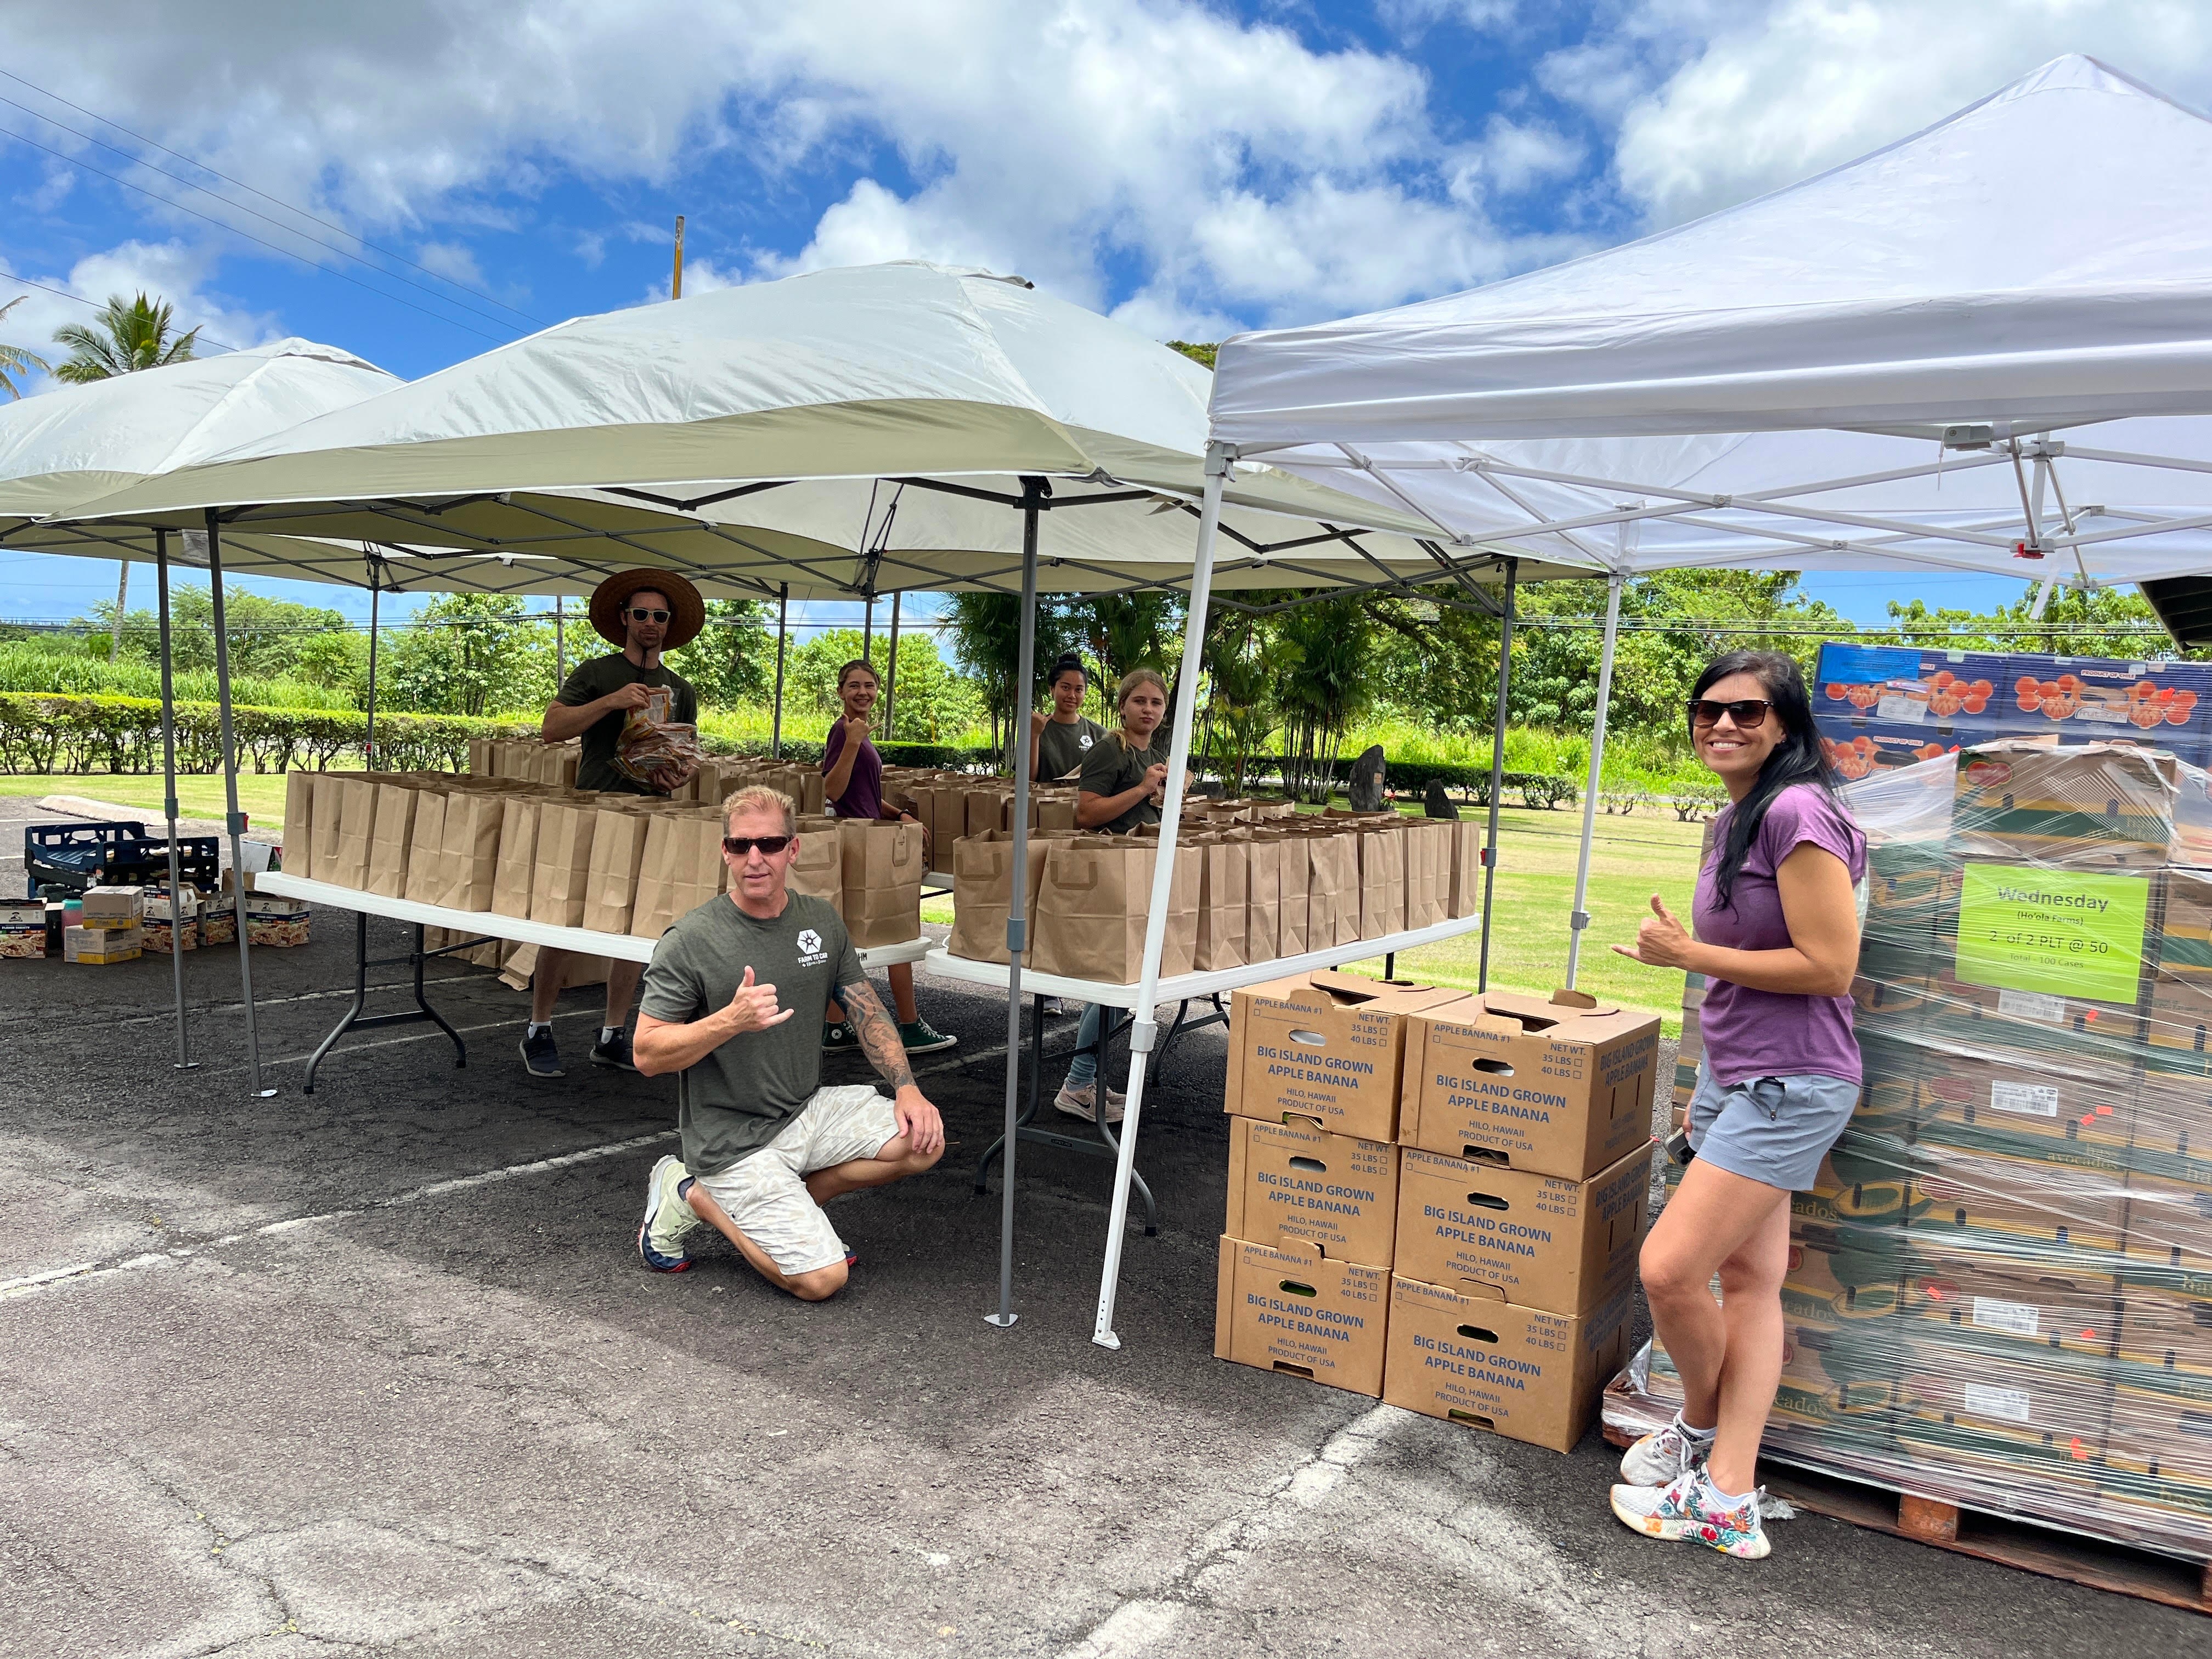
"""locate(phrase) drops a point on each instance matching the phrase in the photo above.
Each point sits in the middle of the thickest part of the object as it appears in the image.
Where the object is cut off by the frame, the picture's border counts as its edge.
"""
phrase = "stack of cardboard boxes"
(113, 929)
(1437, 1198)
(2000, 1289)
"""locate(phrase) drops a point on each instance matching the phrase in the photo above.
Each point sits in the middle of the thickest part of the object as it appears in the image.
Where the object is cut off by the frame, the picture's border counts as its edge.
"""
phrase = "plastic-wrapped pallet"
(2000, 1288)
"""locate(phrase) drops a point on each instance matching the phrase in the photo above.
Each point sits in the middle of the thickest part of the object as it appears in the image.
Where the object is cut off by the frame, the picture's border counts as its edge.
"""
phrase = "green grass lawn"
(261, 795)
(1631, 859)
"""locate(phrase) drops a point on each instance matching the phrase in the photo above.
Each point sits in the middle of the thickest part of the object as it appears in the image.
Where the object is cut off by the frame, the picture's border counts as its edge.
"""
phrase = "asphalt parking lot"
(378, 1370)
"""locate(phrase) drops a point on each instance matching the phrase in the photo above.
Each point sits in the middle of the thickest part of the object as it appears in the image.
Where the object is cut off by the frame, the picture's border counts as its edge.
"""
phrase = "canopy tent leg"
(1219, 458)
(1033, 494)
(185, 1061)
(783, 619)
(122, 599)
(868, 630)
(1579, 919)
(890, 676)
(560, 642)
(1496, 769)
(235, 821)
(369, 743)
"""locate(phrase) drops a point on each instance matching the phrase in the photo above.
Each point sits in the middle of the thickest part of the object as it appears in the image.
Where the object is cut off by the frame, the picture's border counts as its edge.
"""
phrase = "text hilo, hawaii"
(1293, 1180)
(1325, 1047)
(1561, 1087)
(1522, 1372)
(1294, 1310)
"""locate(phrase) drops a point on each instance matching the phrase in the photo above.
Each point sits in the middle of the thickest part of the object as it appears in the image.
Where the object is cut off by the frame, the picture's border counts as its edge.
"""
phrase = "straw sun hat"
(686, 611)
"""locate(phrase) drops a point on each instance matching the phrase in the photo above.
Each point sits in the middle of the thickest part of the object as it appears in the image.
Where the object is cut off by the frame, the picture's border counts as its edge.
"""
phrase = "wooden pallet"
(2125, 1571)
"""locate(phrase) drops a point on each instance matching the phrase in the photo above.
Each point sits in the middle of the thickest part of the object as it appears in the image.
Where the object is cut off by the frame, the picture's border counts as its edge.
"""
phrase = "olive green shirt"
(1062, 749)
(1111, 768)
(595, 677)
(737, 1099)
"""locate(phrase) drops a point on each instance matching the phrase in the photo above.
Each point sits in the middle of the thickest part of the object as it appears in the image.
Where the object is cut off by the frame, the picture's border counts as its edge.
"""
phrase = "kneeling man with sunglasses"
(764, 1144)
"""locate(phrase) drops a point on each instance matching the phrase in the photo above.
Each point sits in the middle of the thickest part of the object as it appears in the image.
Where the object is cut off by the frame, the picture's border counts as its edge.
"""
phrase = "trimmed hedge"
(1539, 790)
(39, 733)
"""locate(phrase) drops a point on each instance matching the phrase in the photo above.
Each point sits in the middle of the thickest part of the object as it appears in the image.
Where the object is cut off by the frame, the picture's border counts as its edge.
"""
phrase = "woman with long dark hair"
(1778, 940)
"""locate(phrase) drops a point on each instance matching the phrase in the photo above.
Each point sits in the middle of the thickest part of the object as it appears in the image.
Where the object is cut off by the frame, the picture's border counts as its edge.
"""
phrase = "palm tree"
(14, 360)
(125, 338)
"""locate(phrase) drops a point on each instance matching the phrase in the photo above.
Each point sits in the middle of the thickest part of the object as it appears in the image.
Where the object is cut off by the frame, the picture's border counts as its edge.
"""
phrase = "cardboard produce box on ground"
(1325, 1046)
(1561, 1087)
(1290, 1180)
(1293, 1310)
(172, 924)
(1522, 1372)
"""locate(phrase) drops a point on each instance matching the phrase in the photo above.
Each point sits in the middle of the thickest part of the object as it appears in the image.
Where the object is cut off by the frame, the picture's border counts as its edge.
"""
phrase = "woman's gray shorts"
(1770, 1129)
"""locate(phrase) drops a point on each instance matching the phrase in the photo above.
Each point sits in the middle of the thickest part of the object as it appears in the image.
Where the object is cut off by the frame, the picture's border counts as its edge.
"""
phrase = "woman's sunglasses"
(1749, 714)
(640, 614)
(738, 845)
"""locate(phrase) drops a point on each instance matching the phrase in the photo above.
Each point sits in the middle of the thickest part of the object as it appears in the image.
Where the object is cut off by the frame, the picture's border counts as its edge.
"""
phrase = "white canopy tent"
(1985, 348)
(65, 447)
(844, 433)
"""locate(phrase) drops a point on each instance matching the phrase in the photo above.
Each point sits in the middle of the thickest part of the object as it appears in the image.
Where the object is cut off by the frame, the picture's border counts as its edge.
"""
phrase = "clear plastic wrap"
(2000, 1289)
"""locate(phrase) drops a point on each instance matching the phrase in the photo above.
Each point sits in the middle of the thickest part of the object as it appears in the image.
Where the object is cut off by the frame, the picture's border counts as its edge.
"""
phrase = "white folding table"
(478, 926)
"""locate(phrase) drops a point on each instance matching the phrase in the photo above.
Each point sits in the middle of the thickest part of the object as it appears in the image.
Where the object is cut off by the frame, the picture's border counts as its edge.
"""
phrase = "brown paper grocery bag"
(563, 871)
(1428, 871)
(515, 870)
(883, 881)
(982, 888)
(1465, 846)
(391, 838)
(611, 885)
(469, 858)
(1090, 909)
(356, 796)
(1263, 903)
(519, 966)
(1382, 854)
(426, 837)
(1223, 891)
(1292, 882)
(480, 753)
(299, 821)
(1055, 810)
(323, 849)
(817, 870)
(986, 810)
(1332, 891)
(682, 869)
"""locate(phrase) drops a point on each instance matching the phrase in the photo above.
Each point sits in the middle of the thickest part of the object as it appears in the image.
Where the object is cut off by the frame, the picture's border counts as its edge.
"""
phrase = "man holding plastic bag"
(638, 720)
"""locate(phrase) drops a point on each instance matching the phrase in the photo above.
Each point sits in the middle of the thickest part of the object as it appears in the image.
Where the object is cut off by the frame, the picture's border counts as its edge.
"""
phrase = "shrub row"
(43, 732)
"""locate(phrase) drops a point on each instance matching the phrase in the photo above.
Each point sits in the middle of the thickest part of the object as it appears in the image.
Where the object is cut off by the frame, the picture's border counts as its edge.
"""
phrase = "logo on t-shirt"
(810, 948)
(1083, 741)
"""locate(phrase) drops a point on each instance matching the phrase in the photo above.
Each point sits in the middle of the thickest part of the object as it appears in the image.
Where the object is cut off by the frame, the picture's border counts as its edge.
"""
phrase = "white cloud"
(1772, 93)
(174, 270)
(451, 260)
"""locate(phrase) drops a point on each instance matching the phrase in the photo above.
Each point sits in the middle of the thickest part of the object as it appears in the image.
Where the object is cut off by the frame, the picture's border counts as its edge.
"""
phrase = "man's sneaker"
(920, 1038)
(1083, 1102)
(840, 1039)
(1688, 1508)
(615, 1053)
(1657, 1458)
(541, 1055)
(667, 1219)
(1057, 1005)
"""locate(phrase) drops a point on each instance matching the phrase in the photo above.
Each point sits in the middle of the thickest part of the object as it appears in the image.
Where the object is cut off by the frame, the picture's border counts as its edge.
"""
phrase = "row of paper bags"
(607, 863)
(530, 760)
(1246, 893)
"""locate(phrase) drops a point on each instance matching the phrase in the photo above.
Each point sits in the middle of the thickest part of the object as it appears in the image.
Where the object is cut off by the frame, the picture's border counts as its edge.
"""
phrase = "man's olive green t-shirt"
(1110, 767)
(737, 1099)
(593, 678)
(1061, 749)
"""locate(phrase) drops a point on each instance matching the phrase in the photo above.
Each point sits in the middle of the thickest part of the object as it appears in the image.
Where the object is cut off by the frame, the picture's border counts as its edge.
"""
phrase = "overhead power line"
(277, 201)
(63, 294)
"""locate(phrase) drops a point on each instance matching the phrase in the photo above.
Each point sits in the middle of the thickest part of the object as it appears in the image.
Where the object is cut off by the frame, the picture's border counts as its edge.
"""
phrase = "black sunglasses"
(738, 845)
(643, 615)
(1749, 714)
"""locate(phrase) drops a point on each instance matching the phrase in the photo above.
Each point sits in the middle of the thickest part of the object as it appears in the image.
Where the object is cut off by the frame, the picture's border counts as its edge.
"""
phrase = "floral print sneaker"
(1687, 1507)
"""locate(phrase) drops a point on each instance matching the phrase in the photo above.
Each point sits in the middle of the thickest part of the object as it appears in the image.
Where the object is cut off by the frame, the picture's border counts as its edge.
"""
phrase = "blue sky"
(474, 170)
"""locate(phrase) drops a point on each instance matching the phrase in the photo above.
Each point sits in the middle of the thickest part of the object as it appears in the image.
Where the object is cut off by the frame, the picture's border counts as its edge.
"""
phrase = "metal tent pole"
(375, 592)
(1219, 458)
(868, 630)
(1496, 769)
(1579, 919)
(235, 821)
(890, 676)
(560, 640)
(1034, 491)
(782, 615)
(185, 1061)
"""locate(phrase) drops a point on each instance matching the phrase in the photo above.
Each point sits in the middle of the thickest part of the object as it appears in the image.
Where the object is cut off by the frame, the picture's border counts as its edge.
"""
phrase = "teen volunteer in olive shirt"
(1124, 779)
(1062, 741)
(764, 1144)
(645, 612)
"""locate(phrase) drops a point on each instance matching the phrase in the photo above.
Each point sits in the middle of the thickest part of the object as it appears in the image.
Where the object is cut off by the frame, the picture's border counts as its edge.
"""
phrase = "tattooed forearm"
(879, 1038)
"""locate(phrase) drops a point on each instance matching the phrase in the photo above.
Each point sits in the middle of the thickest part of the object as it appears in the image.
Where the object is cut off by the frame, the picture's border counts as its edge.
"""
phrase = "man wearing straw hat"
(645, 612)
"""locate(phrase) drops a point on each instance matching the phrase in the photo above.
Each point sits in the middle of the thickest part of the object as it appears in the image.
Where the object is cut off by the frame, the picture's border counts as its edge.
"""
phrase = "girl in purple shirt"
(852, 784)
(1778, 940)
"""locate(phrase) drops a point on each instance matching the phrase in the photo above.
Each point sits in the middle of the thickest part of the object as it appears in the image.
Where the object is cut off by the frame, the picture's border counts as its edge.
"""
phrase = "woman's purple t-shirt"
(864, 790)
(1753, 1034)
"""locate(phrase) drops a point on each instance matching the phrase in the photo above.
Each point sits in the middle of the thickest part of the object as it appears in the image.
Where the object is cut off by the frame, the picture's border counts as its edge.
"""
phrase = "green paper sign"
(2066, 933)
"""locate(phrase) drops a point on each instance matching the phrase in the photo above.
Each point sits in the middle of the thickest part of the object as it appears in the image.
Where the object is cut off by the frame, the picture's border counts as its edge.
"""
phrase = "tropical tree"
(733, 659)
(1329, 684)
(1244, 661)
(14, 360)
(986, 632)
(127, 336)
